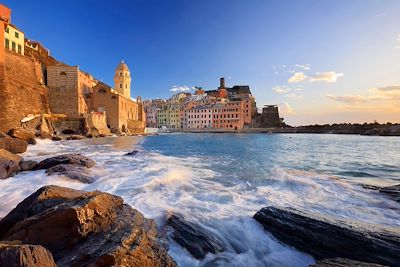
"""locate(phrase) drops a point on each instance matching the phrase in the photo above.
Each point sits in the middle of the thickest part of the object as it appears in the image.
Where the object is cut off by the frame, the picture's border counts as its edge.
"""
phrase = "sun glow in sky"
(321, 61)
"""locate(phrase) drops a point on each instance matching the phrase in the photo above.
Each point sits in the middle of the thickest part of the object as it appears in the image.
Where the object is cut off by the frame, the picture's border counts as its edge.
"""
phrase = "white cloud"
(397, 45)
(177, 89)
(297, 77)
(302, 66)
(386, 93)
(329, 77)
(348, 99)
(289, 92)
(285, 109)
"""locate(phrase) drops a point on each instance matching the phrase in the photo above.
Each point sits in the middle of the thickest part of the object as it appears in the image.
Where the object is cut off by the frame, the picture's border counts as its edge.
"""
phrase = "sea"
(220, 181)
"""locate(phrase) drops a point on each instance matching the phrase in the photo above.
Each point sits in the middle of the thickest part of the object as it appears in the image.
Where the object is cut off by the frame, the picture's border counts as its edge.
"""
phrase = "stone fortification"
(22, 90)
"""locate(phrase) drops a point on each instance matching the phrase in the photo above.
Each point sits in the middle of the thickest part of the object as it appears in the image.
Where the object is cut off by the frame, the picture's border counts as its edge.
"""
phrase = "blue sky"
(321, 61)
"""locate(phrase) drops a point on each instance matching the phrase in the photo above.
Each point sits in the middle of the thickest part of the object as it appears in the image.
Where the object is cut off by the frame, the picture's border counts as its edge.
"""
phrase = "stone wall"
(97, 123)
(21, 90)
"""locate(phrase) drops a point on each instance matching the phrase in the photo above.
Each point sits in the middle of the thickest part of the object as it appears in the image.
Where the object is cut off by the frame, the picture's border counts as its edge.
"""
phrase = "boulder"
(4, 135)
(27, 165)
(392, 191)
(85, 229)
(196, 239)
(340, 262)
(9, 163)
(57, 138)
(326, 237)
(19, 255)
(14, 145)
(24, 134)
(75, 159)
(75, 172)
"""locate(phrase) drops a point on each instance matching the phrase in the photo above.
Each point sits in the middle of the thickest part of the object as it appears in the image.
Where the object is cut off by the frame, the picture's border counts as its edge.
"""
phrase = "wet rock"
(57, 138)
(27, 165)
(9, 163)
(340, 262)
(197, 240)
(75, 172)
(76, 137)
(75, 159)
(14, 145)
(132, 153)
(391, 191)
(86, 229)
(19, 255)
(326, 237)
(24, 134)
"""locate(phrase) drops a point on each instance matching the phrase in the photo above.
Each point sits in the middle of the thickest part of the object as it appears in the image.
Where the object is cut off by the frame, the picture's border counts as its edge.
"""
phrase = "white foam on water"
(158, 184)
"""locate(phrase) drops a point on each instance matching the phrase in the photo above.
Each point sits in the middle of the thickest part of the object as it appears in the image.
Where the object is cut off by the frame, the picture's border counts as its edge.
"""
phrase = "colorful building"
(200, 117)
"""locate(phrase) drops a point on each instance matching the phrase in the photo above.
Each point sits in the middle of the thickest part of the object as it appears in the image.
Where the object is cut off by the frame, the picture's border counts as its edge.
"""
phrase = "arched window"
(113, 97)
(102, 91)
(63, 73)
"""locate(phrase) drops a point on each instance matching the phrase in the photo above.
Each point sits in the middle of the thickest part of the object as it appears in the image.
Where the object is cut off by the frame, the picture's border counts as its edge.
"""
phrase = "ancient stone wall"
(21, 90)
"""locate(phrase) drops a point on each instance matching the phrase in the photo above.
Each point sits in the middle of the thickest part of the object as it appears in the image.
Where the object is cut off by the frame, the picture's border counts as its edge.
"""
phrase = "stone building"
(269, 118)
(69, 90)
(124, 115)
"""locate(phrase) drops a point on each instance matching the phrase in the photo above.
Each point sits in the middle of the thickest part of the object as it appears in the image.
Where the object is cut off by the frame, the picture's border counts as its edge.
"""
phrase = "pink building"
(200, 117)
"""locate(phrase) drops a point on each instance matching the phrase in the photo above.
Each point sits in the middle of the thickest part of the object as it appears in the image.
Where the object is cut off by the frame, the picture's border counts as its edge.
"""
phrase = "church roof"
(122, 66)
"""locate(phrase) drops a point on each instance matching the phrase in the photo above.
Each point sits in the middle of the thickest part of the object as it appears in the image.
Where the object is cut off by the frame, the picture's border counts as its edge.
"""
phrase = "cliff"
(22, 90)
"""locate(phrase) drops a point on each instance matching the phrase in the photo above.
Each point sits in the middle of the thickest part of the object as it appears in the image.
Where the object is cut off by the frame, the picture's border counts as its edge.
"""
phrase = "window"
(19, 49)
(63, 73)
(101, 91)
(126, 86)
(120, 85)
(7, 43)
(13, 46)
(7, 30)
(17, 35)
(120, 74)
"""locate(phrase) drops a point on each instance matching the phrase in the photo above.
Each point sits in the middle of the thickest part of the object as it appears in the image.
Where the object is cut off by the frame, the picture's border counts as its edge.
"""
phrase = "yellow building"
(122, 80)
(14, 39)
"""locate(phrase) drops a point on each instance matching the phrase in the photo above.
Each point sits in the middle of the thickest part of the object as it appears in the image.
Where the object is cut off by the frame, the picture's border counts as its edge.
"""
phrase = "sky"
(321, 61)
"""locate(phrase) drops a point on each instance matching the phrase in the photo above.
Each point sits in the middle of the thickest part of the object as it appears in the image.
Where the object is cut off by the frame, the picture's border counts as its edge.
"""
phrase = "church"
(79, 96)
(123, 114)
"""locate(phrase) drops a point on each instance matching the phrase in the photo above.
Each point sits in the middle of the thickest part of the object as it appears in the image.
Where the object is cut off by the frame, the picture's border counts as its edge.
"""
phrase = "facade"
(5, 19)
(14, 39)
(123, 114)
(200, 117)
(229, 115)
(69, 90)
(122, 80)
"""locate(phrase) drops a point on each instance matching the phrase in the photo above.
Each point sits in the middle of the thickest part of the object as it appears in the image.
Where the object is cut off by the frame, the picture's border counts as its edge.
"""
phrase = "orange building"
(229, 115)
(5, 17)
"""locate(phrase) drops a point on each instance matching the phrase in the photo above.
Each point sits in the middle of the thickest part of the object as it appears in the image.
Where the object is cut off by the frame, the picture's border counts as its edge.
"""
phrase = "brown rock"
(75, 159)
(25, 134)
(4, 135)
(75, 172)
(57, 138)
(341, 262)
(86, 229)
(14, 145)
(27, 165)
(18, 255)
(9, 163)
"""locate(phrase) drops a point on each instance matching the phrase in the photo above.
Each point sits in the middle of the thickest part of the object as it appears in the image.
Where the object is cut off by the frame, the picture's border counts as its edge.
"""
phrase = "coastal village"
(39, 92)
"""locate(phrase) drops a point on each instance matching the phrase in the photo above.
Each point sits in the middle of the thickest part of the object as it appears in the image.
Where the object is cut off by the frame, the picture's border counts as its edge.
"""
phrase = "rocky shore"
(58, 226)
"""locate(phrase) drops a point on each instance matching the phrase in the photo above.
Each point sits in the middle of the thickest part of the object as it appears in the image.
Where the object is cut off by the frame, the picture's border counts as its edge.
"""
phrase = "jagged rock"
(24, 134)
(75, 159)
(197, 240)
(132, 153)
(340, 262)
(325, 237)
(14, 145)
(27, 165)
(19, 255)
(85, 229)
(9, 163)
(75, 172)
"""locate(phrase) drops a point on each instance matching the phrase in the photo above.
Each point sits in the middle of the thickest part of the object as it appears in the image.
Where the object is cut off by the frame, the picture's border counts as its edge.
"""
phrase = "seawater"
(220, 180)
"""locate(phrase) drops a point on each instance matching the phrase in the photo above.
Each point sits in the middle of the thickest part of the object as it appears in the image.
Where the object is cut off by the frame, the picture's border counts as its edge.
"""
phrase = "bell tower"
(122, 80)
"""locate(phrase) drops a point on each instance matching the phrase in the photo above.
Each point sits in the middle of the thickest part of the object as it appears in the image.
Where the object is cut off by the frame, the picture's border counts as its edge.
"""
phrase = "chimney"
(221, 82)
